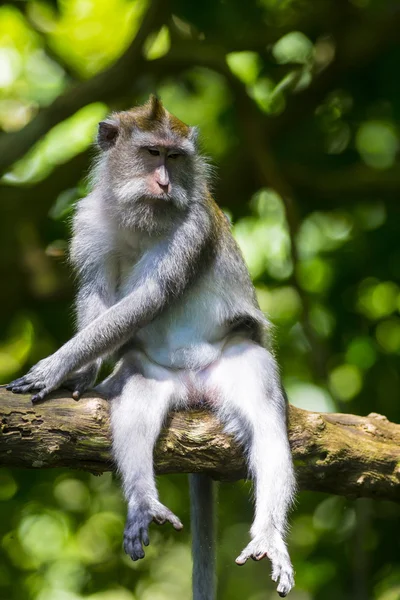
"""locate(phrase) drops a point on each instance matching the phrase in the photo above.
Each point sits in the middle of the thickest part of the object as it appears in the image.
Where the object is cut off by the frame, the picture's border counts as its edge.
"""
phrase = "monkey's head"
(149, 161)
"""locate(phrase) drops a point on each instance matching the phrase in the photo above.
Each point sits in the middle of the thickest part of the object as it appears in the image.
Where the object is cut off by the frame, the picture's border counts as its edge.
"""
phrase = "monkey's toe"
(136, 532)
(286, 580)
(133, 548)
(162, 514)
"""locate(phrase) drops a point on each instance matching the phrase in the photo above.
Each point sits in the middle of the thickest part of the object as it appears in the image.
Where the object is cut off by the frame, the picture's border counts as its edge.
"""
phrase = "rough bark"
(337, 453)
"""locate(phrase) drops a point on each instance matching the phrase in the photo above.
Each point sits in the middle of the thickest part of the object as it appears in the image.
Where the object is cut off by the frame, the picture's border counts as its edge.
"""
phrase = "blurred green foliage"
(314, 205)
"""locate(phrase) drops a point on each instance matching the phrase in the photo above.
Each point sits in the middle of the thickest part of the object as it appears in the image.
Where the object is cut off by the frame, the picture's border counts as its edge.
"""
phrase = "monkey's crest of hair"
(150, 117)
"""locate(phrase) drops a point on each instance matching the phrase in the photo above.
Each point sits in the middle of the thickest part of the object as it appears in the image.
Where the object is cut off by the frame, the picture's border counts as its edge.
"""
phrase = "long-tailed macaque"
(163, 286)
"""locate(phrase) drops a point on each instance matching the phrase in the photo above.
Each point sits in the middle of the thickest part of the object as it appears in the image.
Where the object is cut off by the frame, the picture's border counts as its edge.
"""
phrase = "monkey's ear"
(194, 136)
(107, 134)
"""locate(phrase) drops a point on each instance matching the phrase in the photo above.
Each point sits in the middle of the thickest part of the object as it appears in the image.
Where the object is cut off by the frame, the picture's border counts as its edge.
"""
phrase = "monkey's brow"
(167, 146)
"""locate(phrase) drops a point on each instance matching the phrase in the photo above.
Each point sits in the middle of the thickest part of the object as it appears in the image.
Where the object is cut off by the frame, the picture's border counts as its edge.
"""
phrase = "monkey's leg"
(138, 411)
(251, 404)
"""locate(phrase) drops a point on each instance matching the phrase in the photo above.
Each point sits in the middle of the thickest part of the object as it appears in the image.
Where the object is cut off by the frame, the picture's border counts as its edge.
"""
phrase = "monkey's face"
(158, 169)
(150, 168)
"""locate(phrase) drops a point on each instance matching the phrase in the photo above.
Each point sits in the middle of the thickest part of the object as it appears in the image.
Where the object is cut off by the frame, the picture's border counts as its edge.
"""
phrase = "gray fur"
(164, 285)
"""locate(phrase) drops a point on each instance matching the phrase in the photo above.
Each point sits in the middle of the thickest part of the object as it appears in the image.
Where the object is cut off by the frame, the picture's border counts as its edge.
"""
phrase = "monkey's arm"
(97, 270)
(93, 299)
(162, 274)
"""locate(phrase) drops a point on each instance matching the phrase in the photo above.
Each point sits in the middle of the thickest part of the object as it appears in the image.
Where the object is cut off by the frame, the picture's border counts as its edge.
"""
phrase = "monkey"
(164, 289)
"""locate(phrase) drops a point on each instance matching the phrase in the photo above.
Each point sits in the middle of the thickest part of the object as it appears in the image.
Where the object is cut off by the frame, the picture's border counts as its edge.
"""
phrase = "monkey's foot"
(136, 534)
(81, 380)
(282, 570)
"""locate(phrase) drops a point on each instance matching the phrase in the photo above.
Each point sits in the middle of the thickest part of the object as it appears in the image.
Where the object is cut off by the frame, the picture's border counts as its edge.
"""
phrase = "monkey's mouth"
(157, 198)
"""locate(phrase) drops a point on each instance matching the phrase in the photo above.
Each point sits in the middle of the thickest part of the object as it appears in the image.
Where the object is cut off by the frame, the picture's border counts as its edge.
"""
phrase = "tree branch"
(337, 453)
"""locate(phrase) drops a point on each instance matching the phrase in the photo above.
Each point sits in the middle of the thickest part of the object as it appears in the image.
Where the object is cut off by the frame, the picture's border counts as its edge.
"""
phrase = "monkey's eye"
(174, 155)
(154, 152)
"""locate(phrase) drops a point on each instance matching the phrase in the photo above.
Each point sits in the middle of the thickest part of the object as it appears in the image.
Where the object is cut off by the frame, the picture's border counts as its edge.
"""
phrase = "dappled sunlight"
(28, 77)
(361, 352)
(378, 143)
(62, 143)
(90, 34)
(16, 347)
(245, 65)
(100, 536)
(202, 103)
(264, 239)
(294, 47)
(345, 381)
(309, 396)
(282, 304)
(8, 485)
(44, 535)
(377, 299)
(72, 495)
(157, 45)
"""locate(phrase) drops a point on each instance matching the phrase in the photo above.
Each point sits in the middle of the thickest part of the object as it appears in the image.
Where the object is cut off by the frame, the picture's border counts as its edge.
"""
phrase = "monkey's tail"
(202, 509)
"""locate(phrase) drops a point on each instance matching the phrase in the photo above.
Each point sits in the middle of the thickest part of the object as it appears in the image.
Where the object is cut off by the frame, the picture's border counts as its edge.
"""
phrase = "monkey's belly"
(193, 357)
(180, 343)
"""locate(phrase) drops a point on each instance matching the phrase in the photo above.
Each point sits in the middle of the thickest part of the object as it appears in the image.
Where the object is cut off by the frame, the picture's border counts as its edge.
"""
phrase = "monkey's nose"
(164, 188)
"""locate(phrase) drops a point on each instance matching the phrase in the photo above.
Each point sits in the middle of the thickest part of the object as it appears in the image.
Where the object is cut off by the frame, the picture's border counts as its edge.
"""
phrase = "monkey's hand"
(136, 534)
(82, 380)
(46, 376)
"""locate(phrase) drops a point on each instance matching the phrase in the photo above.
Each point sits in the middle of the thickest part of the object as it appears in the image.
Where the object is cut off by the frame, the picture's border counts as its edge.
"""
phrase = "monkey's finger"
(175, 522)
(260, 556)
(24, 389)
(73, 388)
(78, 390)
(144, 534)
(41, 395)
(133, 548)
(276, 571)
(241, 559)
(285, 585)
(17, 382)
